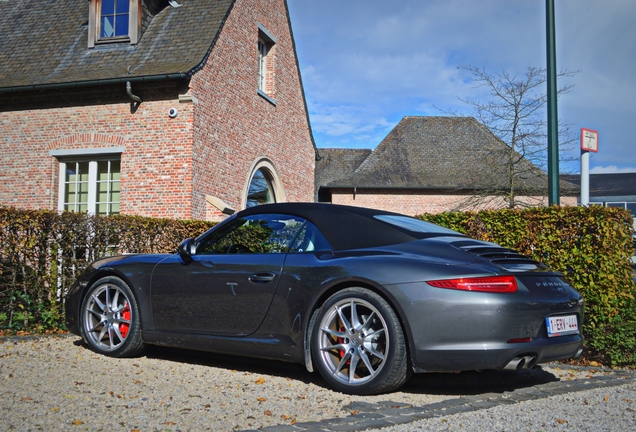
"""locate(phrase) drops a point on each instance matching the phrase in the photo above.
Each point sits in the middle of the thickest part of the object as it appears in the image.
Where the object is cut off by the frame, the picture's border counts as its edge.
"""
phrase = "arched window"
(263, 186)
(261, 190)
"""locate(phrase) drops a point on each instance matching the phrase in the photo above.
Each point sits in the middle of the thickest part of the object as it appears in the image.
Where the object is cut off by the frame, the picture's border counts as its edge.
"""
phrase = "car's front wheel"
(110, 319)
(358, 343)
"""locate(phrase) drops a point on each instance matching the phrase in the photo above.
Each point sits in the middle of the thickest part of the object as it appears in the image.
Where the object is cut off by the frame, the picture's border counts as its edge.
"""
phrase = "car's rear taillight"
(493, 284)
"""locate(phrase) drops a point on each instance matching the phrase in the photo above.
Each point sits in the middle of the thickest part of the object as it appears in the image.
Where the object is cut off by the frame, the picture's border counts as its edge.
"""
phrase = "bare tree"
(515, 113)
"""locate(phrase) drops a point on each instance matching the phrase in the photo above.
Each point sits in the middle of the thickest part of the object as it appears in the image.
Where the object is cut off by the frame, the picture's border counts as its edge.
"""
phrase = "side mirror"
(186, 249)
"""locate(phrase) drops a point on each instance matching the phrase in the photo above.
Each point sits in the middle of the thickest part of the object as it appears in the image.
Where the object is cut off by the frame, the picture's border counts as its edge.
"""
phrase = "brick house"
(151, 107)
(431, 165)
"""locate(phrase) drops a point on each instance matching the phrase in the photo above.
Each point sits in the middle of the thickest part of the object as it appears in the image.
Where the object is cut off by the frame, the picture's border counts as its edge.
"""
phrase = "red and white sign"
(589, 140)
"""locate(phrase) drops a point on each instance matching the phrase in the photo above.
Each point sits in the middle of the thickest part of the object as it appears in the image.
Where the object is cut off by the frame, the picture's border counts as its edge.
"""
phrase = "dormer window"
(114, 18)
(114, 21)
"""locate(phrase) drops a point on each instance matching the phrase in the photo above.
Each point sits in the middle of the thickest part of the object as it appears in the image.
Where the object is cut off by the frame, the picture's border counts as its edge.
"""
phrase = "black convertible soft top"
(344, 227)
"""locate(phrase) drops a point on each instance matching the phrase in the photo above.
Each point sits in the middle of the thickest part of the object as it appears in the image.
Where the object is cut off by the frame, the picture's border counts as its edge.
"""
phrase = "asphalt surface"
(57, 383)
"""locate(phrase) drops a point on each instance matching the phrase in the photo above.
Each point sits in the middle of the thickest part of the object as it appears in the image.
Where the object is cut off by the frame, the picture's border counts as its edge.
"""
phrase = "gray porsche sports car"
(366, 297)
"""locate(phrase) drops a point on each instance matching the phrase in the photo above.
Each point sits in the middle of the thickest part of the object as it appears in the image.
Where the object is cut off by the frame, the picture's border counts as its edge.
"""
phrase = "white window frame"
(262, 65)
(94, 24)
(93, 157)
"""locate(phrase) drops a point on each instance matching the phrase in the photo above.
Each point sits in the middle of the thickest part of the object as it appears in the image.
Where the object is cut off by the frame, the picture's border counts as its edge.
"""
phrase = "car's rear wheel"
(110, 319)
(358, 343)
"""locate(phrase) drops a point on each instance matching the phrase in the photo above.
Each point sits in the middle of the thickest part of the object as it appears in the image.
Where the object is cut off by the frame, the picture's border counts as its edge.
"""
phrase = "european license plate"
(562, 325)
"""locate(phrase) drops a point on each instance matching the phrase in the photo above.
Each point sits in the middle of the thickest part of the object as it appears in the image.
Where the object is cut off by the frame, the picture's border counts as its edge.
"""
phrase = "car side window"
(265, 233)
(309, 239)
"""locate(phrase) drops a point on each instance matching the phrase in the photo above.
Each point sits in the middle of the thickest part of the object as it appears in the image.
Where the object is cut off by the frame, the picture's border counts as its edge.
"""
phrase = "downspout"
(130, 93)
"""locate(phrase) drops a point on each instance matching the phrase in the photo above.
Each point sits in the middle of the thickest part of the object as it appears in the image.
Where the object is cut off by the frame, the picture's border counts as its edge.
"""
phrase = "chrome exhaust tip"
(530, 362)
(515, 364)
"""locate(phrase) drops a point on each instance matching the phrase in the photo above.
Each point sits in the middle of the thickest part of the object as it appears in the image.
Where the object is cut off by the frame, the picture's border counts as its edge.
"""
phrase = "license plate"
(562, 325)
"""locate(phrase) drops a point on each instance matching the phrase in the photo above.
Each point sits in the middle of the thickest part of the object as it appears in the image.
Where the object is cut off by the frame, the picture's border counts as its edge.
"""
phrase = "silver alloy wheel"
(354, 341)
(108, 317)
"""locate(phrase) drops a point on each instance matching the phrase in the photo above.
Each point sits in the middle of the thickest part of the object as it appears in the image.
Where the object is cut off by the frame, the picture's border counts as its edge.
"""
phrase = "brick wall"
(156, 163)
(235, 126)
(414, 202)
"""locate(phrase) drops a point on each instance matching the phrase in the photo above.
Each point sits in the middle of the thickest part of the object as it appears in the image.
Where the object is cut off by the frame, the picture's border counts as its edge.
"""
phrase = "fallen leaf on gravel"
(27, 399)
(268, 413)
(594, 364)
(170, 423)
(285, 417)
(562, 421)
(77, 422)
(261, 399)
(293, 422)
(628, 400)
(354, 412)
(606, 398)
(261, 380)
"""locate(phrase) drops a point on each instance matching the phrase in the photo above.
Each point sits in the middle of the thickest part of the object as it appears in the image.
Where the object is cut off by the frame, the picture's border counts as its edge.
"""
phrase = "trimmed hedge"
(592, 246)
(42, 253)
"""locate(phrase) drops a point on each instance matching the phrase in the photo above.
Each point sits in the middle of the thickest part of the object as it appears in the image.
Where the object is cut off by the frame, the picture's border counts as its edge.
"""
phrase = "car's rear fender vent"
(507, 258)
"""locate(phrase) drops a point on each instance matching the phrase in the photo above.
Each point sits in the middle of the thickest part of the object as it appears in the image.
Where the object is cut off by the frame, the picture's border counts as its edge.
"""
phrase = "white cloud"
(612, 169)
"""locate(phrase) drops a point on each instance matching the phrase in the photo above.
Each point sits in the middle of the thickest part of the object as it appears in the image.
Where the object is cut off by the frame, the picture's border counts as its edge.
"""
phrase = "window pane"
(254, 234)
(115, 168)
(260, 190)
(102, 209)
(108, 7)
(102, 170)
(122, 6)
(616, 204)
(631, 206)
(108, 26)
(121, 27)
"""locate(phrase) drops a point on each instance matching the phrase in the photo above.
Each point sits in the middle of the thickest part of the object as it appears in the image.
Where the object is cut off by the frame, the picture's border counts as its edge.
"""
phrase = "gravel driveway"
(57, 383)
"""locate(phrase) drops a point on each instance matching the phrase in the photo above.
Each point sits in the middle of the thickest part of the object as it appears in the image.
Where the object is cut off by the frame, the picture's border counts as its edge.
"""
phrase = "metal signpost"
(589, 143)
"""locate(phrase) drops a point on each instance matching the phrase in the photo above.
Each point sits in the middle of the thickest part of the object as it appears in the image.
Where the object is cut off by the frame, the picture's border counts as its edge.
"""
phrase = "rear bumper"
(495, 356)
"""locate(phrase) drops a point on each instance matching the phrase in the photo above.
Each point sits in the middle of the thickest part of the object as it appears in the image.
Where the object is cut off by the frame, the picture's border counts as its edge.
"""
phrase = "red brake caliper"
(342, 352)
(124, 327)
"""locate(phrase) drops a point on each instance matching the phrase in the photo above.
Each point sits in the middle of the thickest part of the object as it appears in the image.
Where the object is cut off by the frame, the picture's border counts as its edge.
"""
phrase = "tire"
(358, 344)
(109, 319)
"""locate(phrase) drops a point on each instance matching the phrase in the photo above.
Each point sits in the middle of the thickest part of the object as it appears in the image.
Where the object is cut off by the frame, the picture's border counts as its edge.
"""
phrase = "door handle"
(259, 278)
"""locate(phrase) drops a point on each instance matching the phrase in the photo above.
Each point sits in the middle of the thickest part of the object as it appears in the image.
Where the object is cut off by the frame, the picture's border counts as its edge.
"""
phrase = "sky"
(366, 64)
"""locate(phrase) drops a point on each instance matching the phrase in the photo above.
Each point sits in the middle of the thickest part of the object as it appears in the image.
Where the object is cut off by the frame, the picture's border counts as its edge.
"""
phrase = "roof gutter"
(92, 83)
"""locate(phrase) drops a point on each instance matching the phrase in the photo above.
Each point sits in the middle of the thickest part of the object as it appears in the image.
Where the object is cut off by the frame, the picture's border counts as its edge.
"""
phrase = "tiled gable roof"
(44, 43)
(448, 153)
(336, 163)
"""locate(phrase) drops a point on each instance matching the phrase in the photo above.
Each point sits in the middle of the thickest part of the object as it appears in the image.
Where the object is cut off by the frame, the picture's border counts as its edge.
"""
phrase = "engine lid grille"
(507, 258)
